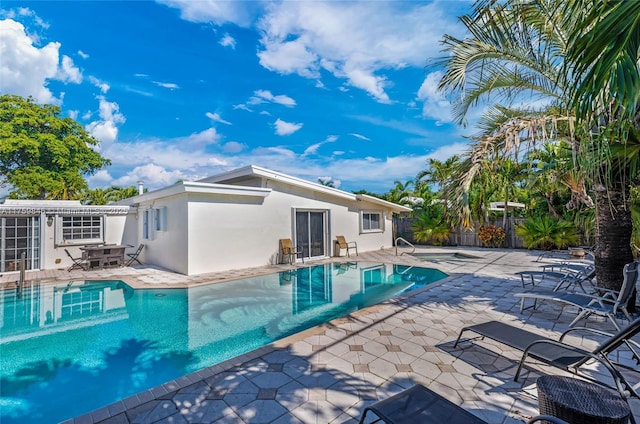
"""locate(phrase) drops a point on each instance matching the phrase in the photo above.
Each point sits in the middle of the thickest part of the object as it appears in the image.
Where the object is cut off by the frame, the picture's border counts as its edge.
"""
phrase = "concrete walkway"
(330, 373)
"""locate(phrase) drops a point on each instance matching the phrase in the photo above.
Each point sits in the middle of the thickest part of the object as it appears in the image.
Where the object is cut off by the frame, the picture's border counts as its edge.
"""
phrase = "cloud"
(286, 128)
(152, 175)
(233, 147)
(83, 54)
(228, 41)
(217, 118)
(434, 103)
(264, 96)
(103, 86)
(106, 128)
(168, 85)
(311, 150)
(360, 136)
(297, 39)
(26, 70)
(241, 13)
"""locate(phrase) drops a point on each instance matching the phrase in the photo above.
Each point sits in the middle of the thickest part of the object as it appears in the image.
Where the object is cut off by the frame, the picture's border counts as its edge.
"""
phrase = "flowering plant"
(491, 235)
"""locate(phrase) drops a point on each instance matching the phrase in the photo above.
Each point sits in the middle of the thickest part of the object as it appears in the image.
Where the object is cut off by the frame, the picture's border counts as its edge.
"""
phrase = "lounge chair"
(342, 243)
(78, 263)
(607, 303)
(418, 404)
(562, 355)
(133, 257)
(288, 251)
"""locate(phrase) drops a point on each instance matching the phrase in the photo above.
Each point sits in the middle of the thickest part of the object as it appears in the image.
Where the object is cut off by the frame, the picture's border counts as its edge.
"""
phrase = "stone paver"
(330, 373)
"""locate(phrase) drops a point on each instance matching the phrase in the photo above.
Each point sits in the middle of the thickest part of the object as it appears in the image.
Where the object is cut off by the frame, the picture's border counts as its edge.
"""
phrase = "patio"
(330, 373)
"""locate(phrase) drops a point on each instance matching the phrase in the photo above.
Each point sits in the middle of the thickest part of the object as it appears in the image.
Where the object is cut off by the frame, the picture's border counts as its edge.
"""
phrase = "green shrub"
(546, 233)
(431, 229)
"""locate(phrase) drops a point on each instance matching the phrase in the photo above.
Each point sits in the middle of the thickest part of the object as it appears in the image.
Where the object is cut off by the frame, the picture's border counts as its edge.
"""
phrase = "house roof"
(59, 207)
(257, 171)
(198, 187)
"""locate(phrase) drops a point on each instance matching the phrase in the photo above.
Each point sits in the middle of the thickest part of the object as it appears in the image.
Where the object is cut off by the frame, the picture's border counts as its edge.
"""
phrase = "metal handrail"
(23, 261)
(406, 242)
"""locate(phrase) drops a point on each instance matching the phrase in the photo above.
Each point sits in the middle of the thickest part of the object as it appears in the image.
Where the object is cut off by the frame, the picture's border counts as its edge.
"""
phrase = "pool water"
(68, 349)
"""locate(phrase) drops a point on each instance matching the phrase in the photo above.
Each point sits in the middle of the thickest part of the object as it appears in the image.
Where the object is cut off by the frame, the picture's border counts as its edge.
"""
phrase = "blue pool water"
(71, 348)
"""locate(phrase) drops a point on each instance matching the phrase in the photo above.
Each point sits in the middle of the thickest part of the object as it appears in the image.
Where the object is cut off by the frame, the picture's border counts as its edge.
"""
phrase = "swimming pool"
(71, 348)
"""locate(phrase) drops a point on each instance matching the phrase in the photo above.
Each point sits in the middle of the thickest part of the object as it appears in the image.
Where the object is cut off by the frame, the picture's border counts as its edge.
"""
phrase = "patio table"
(578, 401)
(103, 256)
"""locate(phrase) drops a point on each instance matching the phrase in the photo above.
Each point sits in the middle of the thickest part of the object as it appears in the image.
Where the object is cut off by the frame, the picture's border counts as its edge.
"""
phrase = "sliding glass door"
(311, 233)
(18, 235)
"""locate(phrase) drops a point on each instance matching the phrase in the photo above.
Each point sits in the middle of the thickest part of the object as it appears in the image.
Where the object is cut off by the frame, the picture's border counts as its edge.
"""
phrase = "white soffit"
(202, 188)
(390, 205)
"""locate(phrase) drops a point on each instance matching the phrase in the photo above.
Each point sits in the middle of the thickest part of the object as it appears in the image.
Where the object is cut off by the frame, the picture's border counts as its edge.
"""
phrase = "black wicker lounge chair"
(562, 355)
(418, 404)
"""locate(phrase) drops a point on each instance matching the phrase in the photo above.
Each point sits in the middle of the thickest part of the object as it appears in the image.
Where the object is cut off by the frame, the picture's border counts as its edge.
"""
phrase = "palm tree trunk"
(613, 235)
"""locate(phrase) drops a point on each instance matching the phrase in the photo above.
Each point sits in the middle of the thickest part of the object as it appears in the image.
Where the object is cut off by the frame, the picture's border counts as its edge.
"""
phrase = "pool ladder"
(405, 242)
(23, 262)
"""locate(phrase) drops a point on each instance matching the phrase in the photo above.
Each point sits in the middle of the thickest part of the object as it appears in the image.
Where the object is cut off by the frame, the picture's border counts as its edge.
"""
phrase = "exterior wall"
(232, 232)
(168, 248)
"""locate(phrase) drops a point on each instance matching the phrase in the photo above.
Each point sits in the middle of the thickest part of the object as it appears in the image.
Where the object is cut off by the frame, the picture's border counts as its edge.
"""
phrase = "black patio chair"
(133, 257)
(78, 263)
(417, 404)
(565, 356)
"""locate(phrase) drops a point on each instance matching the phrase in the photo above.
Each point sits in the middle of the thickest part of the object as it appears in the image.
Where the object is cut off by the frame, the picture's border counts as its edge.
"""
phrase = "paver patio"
(328, 374)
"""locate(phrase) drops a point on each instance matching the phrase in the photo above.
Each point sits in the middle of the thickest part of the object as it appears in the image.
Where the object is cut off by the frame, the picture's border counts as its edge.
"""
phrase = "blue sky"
(180, 89)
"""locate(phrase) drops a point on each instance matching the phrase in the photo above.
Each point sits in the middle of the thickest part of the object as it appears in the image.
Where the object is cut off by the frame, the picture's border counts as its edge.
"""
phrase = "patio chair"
(287, 250)
(342, 243)
(565, 356)
(417, 404)
(563, 278)
(133, 257)
(78, 263)
(606, 303)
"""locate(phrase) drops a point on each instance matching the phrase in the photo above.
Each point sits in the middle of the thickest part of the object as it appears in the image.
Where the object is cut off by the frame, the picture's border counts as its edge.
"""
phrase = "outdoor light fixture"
(50, 220)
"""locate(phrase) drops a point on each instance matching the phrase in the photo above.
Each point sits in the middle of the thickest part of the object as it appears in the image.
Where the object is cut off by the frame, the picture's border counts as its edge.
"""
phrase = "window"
(145, 224)
(371, 221)
(160, 219)
(81, 229)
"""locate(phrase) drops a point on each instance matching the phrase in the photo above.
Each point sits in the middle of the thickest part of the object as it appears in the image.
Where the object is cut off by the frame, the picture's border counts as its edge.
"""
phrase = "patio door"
(311, 233)
(18, 235)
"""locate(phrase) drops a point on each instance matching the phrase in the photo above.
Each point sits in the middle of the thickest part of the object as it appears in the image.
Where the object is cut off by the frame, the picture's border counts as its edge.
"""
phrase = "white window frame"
(146, 230)
(86, 223)
(364, 221)
(160, 219)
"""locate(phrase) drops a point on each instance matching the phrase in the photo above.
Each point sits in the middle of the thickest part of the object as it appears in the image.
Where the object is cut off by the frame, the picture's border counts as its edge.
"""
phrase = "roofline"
(199, 187)
(390, 205)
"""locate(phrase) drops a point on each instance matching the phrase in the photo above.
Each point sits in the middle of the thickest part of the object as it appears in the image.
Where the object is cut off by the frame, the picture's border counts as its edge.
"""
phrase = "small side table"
(580, 402)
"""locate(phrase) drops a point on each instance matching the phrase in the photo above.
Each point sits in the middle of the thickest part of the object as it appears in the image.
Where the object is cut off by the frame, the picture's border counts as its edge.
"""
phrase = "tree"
(42, 155)
(526, 51)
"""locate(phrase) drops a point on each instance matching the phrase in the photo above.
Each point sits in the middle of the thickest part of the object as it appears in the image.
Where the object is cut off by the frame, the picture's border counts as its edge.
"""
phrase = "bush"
(546, 233)
(492, 236)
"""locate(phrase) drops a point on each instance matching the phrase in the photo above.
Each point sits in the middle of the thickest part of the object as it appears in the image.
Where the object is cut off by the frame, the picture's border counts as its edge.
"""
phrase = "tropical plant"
(431, 228)
(546, 233)
(44, 156)
(536, 51)
(492, 236)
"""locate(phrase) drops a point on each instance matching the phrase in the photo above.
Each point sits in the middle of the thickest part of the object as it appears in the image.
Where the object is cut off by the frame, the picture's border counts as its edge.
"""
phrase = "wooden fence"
(460, 237)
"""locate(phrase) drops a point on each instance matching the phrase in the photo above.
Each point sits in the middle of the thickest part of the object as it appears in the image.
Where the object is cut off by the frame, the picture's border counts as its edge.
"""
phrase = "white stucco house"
(227, 221)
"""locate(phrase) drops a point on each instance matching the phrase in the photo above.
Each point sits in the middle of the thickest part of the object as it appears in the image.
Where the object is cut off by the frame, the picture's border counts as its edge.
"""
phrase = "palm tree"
(516, 52)
(604, 51)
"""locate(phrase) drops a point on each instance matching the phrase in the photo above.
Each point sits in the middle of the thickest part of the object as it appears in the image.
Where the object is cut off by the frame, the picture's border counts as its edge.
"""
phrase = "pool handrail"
(406, 242)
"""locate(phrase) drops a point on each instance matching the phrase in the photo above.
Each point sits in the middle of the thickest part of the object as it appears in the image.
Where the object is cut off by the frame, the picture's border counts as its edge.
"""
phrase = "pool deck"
(328, 374)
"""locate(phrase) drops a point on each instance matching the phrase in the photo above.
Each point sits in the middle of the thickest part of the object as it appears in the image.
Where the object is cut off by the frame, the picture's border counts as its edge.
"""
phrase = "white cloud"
(217, 118)
(434, 104)
(106, 128)
(228, 41)
(169, 85)
(242, 107)
(306, 37)
(233, 147)
(313, 149)
(103, 86)
(263, 96)
(151, 175)
(360, 136)
(241, 13)
(83, 54)
(26, 70)
(73, 114)
(286, 128)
